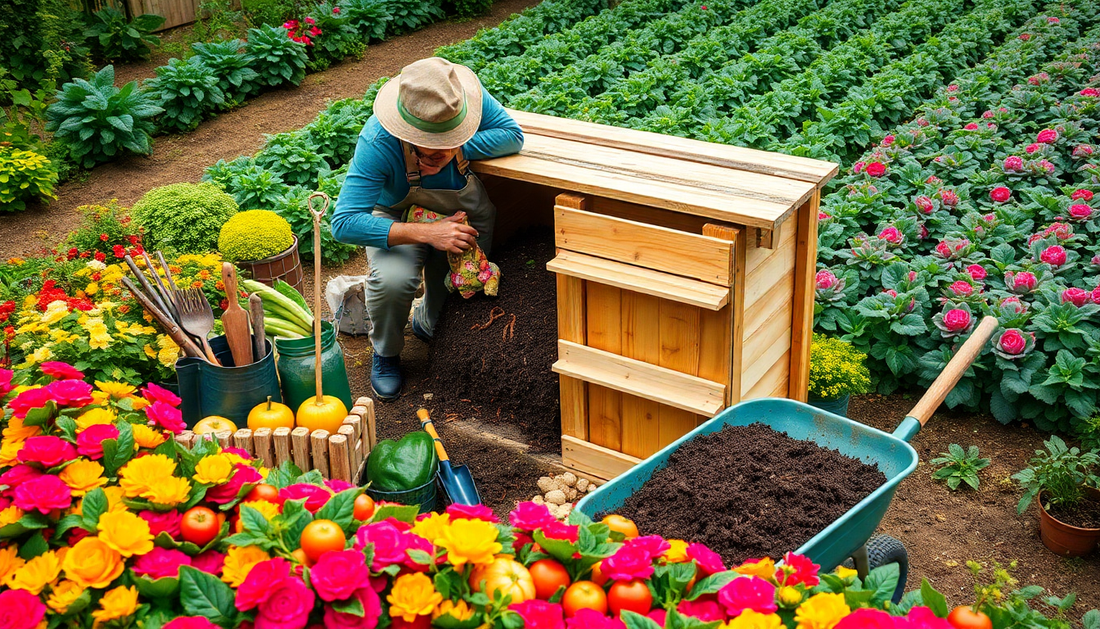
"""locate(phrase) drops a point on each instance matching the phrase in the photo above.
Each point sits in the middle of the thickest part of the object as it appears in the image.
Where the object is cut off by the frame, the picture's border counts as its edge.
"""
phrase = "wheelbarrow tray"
(829, 548)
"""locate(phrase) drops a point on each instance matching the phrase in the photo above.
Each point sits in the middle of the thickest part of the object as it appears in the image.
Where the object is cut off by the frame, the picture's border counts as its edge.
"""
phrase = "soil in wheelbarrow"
(491, 357)
(749, 491)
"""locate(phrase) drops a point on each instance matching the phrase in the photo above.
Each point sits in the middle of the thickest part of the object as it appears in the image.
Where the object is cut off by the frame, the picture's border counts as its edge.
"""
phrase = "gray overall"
(395, 273)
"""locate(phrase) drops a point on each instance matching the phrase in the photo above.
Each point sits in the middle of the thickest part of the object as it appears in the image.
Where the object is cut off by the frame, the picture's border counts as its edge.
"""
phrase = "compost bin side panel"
(769, 311)
(640, 341)
(804, 285)
(573, 393)
(604, 330)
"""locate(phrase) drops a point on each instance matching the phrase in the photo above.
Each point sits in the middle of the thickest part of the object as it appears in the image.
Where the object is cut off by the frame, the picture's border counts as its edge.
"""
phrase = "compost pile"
(491, 357)
(749, 491)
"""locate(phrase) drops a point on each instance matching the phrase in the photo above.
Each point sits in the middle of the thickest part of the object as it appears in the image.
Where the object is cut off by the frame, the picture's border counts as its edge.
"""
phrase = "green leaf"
(67, 523)
(1091, 619)
(350, 606)
(341, 510)
(161, 589)
(712, 584)
(883, 581)
(33, 547)
(254, 521)
(95, 504)
(933, 599)
(203, 594)
(402, 513)
(634, 620)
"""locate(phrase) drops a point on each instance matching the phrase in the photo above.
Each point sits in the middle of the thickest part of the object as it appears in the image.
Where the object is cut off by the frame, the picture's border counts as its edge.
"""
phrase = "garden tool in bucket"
(207, 389)
(456, 479)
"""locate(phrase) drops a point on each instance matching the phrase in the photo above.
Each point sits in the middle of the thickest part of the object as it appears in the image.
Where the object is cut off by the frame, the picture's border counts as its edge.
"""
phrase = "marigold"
(459, 611)
(169, 492)
(750, 619)
(790, 596)
(413, 595)
(83, 476)
(213, 470)
(112, 390)
(821, 611)
(143, 474)
(844, 572)
(11, 515)
(125, 532)
(469, 541)
(117, 603)
(9, 451)
(10, 561)
(266, 509)
(432, 527)
(37, 573)
(16, 431)
(677, 551)
(92, 564)
(94, 417)
(63, 595)
(763, 568)
(147, 437)
(239, 561)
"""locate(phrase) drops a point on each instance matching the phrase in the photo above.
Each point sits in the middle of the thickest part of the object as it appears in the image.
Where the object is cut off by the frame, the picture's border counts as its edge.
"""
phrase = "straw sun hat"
(433, 104)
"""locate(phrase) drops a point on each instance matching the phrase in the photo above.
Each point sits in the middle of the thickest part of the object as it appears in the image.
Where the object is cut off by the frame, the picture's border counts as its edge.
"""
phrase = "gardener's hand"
(450, 234)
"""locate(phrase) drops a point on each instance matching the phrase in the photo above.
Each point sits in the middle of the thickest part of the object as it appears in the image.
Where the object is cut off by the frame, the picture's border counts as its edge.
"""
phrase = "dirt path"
(179, 158)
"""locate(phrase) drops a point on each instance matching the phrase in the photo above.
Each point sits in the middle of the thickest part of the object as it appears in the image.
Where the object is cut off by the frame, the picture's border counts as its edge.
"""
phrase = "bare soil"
(178, 158)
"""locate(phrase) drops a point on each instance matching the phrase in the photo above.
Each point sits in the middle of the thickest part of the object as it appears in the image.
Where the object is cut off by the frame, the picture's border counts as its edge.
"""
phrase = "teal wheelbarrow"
(850, 537)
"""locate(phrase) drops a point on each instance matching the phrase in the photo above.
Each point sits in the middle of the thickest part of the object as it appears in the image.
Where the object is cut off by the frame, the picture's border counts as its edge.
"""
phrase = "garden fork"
(196, 317)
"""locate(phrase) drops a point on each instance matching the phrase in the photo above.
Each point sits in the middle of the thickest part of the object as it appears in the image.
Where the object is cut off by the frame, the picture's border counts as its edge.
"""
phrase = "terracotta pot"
(284, 266)
(1066, 540)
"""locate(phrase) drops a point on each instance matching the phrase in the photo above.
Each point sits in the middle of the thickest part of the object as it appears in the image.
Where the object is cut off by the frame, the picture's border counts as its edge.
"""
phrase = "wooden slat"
(761, 280)
(759, 255)
(773, 382)
(644, 214)
(777, 164)
(573, 394)
(775, 327)
(604, 332)
(680, 335)
(637, 279)
(804, 291)
(756, 370)
(299, 448)
(721, 331)
(339, 456)
(593, 460)
(649, 246)
(641, 341)
(318, 447)
(280, 439)
(760, 312)
(683, 391)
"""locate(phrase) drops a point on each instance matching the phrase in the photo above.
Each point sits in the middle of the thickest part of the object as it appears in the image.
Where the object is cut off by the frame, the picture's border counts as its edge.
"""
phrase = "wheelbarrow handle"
(954, 371)
(429, 427)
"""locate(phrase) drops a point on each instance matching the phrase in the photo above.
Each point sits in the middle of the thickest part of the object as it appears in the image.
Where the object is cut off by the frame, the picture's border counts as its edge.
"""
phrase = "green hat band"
(428, 126)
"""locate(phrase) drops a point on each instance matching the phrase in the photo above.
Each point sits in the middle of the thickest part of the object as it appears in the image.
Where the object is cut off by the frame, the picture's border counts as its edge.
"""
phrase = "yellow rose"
(459, 611)
(239, 560)
(55, 311)
(821, 611)
(95, 417)
(92, 564)
(169, 351)
(16, 431)
(789, 596)
(413, 595)
(750, 619)
(9, 452)
(677, 551)
(125, 532)
(37, 573)
(63, 595)
(117, 603)
(10, 515)
(143, 474)
(169, 492)
(10, 561)
(112, 390)
(764, 568)
(845, 572)
(83, 476)
(470, 541)
(147, 437)
(213, 470)
(431, 528)
(40, 355)
(149, 351)
(91, 289)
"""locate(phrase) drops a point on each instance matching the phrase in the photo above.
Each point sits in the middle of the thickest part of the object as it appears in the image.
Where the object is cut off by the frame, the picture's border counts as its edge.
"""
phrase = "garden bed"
(749, 491)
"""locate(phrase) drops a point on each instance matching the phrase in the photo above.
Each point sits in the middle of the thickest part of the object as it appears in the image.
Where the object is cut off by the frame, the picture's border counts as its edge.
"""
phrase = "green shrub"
(41, 43)
(223, 172)
(292, 207)
(97, 120)
(370, 18)
(258, 188)
(294, 156)
(187, 90)
(230, 65)
(336, 131)
(254, 235)
(102, 227)
(273, 56)
(337, 37)
(472, 8)
(24, 175)
(269, 12)
(183, 217)
(410, 15)
(112, 38)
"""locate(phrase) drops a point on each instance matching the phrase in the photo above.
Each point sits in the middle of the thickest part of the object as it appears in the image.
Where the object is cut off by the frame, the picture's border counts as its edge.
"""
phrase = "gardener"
(427, 123)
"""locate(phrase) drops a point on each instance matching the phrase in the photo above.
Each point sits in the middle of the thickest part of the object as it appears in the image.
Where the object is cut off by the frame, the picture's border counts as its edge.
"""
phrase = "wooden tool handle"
(954, 371)
(256, 310)
(229, 279)
(429, 427)
(167, 271)
(146, 286)
(161, 289)
(317, 214)
(170, 327)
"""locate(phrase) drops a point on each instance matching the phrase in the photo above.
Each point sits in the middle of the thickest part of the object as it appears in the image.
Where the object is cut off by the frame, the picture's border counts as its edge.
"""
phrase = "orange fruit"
(321, 536)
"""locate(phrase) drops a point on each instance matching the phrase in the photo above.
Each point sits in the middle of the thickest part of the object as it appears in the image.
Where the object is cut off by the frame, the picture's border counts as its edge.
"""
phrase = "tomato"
(321, 536)
(507, 576)
(213, 424)
(963, 617)
(584, 595)
(263, 491)
(364, 507)
(597, 575)
(622, 525)
(548, 575)
(633, 595)
(200, 526)
(300, 556)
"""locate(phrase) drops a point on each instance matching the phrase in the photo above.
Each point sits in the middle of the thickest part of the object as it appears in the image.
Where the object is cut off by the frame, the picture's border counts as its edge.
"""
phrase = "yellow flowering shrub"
(837, 369)
(254, 235)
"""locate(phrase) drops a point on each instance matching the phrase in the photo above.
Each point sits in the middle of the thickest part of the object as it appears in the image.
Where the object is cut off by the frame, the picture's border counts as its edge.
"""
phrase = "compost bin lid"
(727, 183)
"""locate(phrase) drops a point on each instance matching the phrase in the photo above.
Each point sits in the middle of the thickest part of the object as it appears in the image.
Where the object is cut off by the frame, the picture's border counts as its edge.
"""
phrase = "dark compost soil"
(491, 357)
(749, 491)
(1085, 515)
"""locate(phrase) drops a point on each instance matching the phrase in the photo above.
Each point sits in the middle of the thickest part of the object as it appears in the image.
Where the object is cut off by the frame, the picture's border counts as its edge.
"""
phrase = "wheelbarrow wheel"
(883, 550)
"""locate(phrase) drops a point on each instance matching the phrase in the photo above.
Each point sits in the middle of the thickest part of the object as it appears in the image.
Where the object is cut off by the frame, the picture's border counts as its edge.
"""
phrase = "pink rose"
(1080, 211)
(19, 609)
(165, 416)
(538, 614)
(865, 618)
(1000, 194)
(1046, 165)
(25, 401)
(209, 561)
(876, 169)
(705, 610)
(1047, 136)
(189, 622)
(5, 381)
(17, 476)
(961, 288)
(261, 581)
(1032, 148)
(1014, 302)
(801, 570)
(336, 485)
(1082, 151)
(888, 140)
(90, 442)
(43, 494)
(47, 451)
(858, 167)
(74, 393)
(629, 562)
(559, 530)
(415, 542)
(891, 235)
(987, 113)
(1081, 194)
(389, 544)
(747, 593)
(912, 276)
(372, 609)
(591, 619)
(1012, 342)
(973, 126)
(823, 216)
(923, 231)
(976, 271)
(315, 496)
(161, 562)
(655, 545)
(708, 561)
(956, 320)
(167, 522)
(1091, 92)
(336, 575)
(1024, 281)
(1025, 36)
(921, 617)
(1014, 163)
(933, 180)
(925, 204)
(528, 516)
(287, 607)
(825, 279)
(1076, 296)
(475, 512)
(154, 393)
(1052, 20)
(243, 475)
(1054, 255)
(61, 371)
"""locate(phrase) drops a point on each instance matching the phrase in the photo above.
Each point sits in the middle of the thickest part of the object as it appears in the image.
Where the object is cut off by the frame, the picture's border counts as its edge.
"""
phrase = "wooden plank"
(591, 459)
(720, 331)
(728, 156)
(770, 303)
(261, 440)
(636, 279)
(280, 438)
(680, 390)
(641, 341)
(571, 200)
(603, 315)
(776, 325)
(573, 393)
(759, 255)
(299, 448)
(243, 439)
(774, 381)
(762, 280)
(339, 457)
(804, 291)
(680, 334)
(318, 447)
(756, 370)
(644, 214)
(658, 248)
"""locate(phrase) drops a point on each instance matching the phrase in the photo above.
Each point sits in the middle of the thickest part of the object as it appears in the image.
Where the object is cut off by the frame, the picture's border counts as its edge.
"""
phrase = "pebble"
(555, 497)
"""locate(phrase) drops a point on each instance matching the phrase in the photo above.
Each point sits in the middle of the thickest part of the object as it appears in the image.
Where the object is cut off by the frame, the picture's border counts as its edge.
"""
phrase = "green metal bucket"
(423, 496)
(837, 406)
(296, 368)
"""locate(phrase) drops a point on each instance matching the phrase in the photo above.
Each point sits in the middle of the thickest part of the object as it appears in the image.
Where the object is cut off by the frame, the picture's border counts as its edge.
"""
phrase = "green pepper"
(402, 465)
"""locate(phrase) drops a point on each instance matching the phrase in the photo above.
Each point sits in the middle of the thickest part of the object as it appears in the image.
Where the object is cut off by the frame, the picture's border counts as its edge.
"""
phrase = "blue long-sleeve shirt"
(377, 173)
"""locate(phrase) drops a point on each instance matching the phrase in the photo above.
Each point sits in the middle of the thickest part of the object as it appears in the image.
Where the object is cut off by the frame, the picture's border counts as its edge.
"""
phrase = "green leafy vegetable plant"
(472, 8)
(230, 64)
(1058, 475)
(187, 90)
(294, 156)
(275, 58)
(336, 36)
(370, 18)
(112, 38)
(959, 466)
(183, 217)
(98, 120)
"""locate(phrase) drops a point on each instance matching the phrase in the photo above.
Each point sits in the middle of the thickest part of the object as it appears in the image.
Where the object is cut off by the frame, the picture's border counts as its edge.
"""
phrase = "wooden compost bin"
(685, 277)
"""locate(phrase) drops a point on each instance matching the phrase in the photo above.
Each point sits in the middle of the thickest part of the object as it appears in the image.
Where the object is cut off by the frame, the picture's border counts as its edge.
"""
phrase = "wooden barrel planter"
(685, 277)
(286, 266)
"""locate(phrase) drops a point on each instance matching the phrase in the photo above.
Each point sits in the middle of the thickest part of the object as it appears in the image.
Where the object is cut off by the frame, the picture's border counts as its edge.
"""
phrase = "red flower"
(1080, 211)
(1000, 194)
(956, 320)
(1076, 296)
(1012, 342)
(103, 237)
(1091, 92)
(858, 167)
(100, 256)
(876, 169)
(1052, 20)
(1081, 194)
(1031, 148)
(949, 198)
(314, 31)
(1014, 163)
(976, 271)
(891, 235)
(43, 494)
(962, 288)
(1047, 136)
(973, 126)
(1054, 255)
(1025, 36)
(119, 251)
(925, 204)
